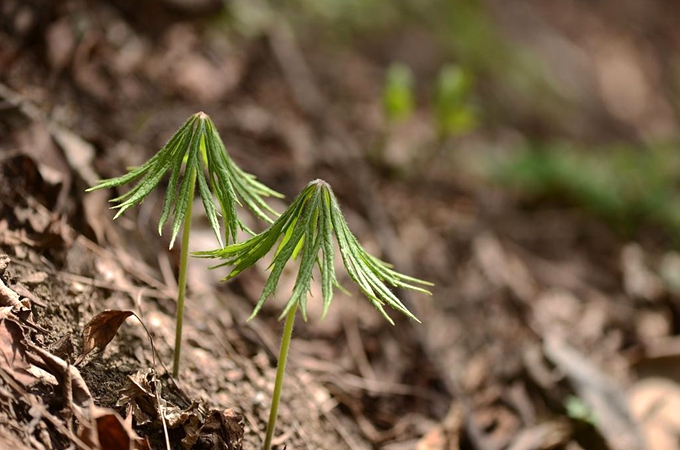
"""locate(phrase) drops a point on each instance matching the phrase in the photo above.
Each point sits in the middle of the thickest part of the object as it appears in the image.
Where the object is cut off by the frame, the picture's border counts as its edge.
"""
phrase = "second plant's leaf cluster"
(307, 229)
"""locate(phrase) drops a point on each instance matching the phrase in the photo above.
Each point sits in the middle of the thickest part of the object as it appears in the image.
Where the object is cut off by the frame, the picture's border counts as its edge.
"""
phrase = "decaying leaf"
(139, 394)
(13, 352)
(221, 430)
(101, 330)
(109, 431)
(212, 430)
(69, 378)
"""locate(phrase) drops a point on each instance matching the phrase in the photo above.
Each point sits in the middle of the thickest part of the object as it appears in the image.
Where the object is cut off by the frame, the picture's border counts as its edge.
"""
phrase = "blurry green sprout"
(578, 409)
(454, 114)
(308, 229)
(195, 145)
(398, 102)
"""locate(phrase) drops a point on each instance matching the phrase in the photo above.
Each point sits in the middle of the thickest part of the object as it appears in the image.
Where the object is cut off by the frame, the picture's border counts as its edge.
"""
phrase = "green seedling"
(195, 147)
(452, 108)
(397, 97)
(398, 105)
(308, 229)
(577, 409)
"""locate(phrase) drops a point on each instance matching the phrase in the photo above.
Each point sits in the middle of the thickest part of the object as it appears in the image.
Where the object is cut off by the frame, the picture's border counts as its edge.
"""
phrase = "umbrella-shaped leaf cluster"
(308, 229)
(195, 147)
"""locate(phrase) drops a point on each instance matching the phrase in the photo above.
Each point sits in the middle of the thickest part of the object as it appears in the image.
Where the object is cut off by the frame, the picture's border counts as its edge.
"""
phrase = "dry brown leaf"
(139, 392)
(222, 429)
(13, 352)
(101, 330)
(69, 377)
(111, 432)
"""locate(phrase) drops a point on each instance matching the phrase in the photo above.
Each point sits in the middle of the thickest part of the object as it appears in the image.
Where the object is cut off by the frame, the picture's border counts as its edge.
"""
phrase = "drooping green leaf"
(196, 148)
(309, 226)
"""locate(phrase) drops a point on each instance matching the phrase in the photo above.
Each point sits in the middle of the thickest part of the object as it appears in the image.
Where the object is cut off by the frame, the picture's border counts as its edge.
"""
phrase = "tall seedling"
(308, 229)
(194, 151)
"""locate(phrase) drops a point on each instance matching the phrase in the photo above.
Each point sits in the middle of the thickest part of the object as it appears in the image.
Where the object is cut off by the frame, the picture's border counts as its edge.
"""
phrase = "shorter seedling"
(195, 142)
(307, 228)
(453, 109)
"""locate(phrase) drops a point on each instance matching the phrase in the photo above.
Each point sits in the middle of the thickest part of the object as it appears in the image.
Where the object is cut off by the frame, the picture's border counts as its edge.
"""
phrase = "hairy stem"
(280, 371)
(182, 284)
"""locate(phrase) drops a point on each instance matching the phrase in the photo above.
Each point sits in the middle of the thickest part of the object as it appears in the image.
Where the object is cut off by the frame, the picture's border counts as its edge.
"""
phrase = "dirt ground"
(546, 329)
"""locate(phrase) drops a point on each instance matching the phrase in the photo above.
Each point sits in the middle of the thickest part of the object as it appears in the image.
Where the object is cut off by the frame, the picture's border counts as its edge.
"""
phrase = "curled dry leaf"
(101, 330)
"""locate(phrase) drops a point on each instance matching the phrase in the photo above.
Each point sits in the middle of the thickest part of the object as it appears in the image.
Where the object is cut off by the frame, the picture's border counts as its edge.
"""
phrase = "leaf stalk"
(280, 372)
(182, 283)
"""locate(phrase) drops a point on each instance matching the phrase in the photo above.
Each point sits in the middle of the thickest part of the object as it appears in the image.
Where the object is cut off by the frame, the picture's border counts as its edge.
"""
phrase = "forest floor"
(545, 329)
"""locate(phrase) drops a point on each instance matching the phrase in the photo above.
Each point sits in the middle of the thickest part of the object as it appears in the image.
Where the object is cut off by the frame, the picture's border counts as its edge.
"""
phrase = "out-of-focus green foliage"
(578, 409)
(397, 96)
(463, 30)
(627, 186)
(351, 14)
(251, 18)
(452, 108)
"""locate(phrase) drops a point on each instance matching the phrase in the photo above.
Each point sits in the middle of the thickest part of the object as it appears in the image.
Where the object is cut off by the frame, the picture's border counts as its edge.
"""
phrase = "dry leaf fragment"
(9, 298)
(101, 330)
(222, 430)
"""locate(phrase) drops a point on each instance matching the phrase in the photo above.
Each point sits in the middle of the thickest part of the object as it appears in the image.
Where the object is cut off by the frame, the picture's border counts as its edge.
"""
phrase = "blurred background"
(523, 156)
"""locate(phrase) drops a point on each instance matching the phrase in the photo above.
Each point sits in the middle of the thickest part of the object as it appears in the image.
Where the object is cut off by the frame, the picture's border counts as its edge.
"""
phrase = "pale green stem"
(182, 283)
(280, 371)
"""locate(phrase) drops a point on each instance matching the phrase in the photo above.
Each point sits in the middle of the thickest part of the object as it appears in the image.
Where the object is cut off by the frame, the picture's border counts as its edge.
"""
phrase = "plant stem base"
(280, 372)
